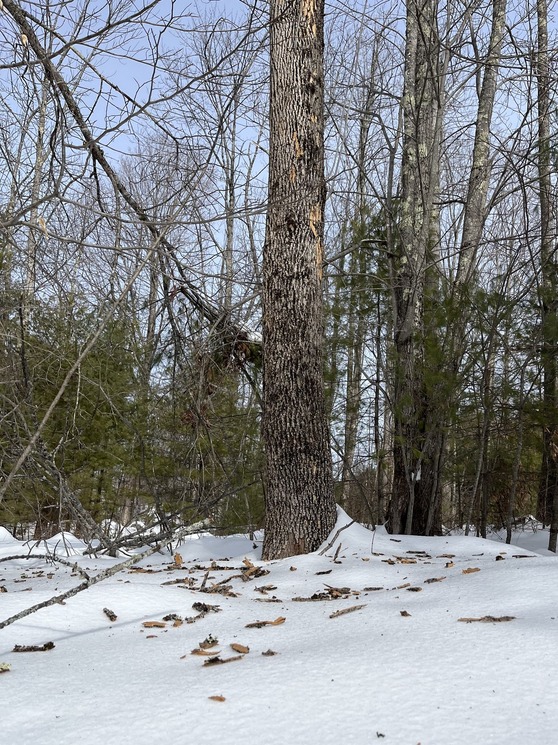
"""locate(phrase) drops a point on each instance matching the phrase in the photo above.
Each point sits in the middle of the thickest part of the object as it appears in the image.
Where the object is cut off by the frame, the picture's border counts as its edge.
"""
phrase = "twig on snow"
(335, 537)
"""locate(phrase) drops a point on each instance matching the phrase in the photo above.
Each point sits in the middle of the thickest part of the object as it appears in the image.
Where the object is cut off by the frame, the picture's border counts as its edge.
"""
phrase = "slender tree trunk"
(419, 176)
(548, 489)
(300, 506)
(477, 188)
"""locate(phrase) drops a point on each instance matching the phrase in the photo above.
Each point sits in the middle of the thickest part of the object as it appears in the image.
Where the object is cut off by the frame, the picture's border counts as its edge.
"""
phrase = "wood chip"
(269, 653)
(206, 608)
(470, 570)
(433, 579)
(414, 589)
(346, 610)
(110, 614)
(154, 624)
(205, 652)
(264, 589)
(217, 698)
(219, 661)
(34, 647)
(261, 624)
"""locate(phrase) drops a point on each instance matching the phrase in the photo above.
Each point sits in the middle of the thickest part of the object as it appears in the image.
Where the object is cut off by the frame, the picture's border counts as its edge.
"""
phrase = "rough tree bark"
(411, 498)
(548, 488)
(300, 506)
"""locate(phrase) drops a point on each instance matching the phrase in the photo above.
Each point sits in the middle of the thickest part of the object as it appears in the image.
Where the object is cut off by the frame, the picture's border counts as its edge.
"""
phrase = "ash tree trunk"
(300, 506)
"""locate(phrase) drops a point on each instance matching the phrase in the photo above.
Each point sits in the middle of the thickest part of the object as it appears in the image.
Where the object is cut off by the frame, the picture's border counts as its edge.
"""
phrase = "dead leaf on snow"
(433, 579)
(414, 589)
(405, 613)
(5, 667)
(217, 698)
(470, 570)
(209, 642)
(111, 615)
(449, 564)
(240, 648)
(269, 653)
(178, 561)
(205, 652)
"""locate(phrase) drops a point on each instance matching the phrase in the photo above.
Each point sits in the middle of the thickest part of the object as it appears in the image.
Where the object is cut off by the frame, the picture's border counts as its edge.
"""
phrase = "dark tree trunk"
(417, 236)
(548, 489)
(300, 506)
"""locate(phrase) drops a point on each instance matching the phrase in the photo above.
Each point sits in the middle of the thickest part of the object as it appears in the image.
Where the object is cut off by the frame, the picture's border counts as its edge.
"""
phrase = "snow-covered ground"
(400, 669)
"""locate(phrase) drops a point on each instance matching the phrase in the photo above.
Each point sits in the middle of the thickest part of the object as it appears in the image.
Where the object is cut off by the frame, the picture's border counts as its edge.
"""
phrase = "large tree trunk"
(300, 506)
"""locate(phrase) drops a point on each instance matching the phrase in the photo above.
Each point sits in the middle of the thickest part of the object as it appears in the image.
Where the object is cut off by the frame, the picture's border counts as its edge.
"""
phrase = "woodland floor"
(393, 639)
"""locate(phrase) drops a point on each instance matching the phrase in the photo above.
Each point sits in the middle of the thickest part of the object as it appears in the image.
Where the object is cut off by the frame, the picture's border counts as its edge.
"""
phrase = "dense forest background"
(130, 339)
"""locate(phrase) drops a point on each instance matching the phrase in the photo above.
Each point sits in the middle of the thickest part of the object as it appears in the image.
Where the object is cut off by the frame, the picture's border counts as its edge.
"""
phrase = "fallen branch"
(487, 619)
(111, 571)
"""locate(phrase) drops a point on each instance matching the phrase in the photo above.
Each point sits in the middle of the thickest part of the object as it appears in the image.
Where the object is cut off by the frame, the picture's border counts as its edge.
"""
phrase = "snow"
(371, 675)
